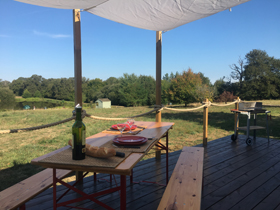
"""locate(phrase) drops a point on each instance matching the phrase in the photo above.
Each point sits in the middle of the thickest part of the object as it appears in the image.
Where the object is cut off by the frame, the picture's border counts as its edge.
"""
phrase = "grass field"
(18, 149)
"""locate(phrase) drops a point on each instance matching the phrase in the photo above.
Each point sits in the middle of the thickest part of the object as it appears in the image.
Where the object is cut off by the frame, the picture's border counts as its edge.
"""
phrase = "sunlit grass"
(18, 149)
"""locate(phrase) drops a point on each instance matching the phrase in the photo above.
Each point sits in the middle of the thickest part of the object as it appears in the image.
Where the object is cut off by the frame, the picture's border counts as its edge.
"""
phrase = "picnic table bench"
(185, 185)
(17, 195)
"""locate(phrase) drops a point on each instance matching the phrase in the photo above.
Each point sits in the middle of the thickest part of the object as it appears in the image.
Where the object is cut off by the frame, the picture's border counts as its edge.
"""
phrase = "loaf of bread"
(100, 152)
(94, 151)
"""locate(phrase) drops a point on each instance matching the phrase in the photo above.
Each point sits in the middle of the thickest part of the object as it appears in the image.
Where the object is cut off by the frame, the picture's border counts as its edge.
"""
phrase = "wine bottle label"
(73, 141)
(83, 137)
(83, 150)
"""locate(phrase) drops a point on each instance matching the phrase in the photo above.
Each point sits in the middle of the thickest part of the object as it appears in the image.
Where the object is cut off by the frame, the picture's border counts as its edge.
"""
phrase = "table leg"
(54, 188)
(94, 177)
(248, 125)
(255, 123)
(236, 125)
(165, 148)
(22, 207)
(267, 128)
(79, 175)
(131, 177)
(123, 192)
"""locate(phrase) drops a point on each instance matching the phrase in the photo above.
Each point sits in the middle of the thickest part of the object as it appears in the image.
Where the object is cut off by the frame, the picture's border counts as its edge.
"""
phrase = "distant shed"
(103, 103)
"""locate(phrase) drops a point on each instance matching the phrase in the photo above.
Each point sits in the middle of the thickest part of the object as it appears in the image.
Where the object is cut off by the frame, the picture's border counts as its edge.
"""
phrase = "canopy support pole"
(77, 56)
(158, 82)
(77, 65)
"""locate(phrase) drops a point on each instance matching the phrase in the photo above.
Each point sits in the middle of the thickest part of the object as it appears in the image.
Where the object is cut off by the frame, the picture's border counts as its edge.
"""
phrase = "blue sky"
(39, 40)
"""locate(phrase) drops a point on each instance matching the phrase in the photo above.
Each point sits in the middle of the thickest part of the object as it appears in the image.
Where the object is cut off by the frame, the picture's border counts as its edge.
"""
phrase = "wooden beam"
(158, 72)
(77, 56)
(77, 65)
(158, 81)
(205, 124)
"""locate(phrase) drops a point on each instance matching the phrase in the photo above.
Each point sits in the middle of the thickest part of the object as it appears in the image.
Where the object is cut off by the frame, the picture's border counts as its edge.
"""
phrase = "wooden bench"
(185, 185)
(18, 194)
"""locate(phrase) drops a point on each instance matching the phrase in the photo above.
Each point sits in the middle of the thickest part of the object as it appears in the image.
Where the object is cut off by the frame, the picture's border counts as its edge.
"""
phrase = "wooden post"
(77, 64)
(77, 56)
(158, 82)
(205, 124)
(235, 117)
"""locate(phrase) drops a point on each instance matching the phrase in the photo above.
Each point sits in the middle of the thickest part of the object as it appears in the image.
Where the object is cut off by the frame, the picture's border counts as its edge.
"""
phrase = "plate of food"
(115, 127)
(130, 140)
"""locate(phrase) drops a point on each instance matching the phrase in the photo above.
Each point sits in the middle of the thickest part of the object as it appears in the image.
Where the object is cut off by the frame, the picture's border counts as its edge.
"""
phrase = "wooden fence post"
(235, 117)
(205, 123)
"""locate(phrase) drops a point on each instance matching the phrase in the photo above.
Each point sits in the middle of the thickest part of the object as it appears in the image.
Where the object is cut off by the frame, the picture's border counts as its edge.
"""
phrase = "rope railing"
(234, 102)
(157, 108)
(185, 110)
(84, 114)
(123, 118)
(205, 104)
(36, 127)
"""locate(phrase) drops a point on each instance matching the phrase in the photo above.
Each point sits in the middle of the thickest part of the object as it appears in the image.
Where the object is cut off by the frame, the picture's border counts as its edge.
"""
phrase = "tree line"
(128, 90)
(255, 77)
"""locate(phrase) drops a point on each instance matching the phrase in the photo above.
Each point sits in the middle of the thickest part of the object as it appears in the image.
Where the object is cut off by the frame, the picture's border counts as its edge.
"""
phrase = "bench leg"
(123, 192)
(54, 188)
(166, 158)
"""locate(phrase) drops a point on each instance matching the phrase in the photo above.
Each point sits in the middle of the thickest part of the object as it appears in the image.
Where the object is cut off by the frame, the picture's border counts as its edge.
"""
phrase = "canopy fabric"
(157, 15)
(65, 4)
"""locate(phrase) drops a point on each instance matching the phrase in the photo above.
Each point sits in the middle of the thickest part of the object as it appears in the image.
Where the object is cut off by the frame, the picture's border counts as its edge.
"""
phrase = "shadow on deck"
(236, 176)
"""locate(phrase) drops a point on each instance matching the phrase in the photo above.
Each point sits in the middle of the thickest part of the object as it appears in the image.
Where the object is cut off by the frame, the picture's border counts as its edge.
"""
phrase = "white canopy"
(157, 15)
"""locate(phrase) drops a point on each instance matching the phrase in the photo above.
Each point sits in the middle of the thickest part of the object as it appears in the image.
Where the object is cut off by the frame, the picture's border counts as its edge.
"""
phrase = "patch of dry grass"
(18, 149)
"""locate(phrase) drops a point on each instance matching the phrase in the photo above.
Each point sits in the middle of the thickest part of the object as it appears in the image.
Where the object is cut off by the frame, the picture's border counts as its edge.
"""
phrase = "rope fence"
(124, 118)
(157, 108)
(185, 110)
(36, 127)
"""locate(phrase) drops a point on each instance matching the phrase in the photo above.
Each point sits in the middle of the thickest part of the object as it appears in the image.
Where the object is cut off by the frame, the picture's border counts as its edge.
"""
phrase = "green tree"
(183, 88)
(205, 80)
(4, 83)
(130, 90)
(37, 94)
(148, 83)
(93, 91)
(26, 94)
(165, 85)
(136, 91)
(262, 76)
(111, 90)
(33, 83)
(7, 98)
(166, 77)
(18, 86)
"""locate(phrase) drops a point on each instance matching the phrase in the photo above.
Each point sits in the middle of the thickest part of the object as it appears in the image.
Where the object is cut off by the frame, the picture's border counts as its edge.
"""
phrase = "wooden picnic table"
(62, 159)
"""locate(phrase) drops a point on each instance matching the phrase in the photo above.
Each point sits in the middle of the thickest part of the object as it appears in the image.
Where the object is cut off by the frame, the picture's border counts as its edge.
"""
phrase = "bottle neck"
(78, 114)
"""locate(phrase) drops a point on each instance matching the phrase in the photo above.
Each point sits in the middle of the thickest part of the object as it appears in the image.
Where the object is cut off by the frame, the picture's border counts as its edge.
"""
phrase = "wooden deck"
(236, 176)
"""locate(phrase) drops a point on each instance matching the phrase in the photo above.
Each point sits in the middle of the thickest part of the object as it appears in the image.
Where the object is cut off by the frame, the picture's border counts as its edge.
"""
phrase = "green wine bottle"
(78, 136)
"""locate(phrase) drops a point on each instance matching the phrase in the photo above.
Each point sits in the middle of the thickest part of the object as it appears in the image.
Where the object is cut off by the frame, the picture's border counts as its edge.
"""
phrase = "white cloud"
(54, 36)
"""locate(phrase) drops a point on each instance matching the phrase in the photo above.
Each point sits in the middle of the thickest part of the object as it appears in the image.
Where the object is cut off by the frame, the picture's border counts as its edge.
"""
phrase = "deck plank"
(236, 176)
